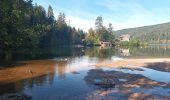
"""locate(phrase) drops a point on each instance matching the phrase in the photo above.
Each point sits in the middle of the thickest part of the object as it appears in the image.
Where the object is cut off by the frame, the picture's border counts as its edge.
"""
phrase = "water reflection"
(61, 69)
(124, 52)
(62, 75)
(158, 51)
(6, 58)
(30, 83)
(37, 54)
(154, 51)
(101, 53)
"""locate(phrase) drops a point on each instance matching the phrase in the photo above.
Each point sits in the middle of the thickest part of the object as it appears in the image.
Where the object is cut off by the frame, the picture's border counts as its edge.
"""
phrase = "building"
(105, 44)
(125, 37)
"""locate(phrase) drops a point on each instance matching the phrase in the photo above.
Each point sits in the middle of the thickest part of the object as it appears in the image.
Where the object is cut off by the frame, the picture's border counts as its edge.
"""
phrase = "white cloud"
(79, 19)
(122, 14)
(81, 23)
(131, 13)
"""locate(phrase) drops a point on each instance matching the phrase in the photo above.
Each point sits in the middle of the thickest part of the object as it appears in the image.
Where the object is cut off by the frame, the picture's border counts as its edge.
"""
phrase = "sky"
(121, 13)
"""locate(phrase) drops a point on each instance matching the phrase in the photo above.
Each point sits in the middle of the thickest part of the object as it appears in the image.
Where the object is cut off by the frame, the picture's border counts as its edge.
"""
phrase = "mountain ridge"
(159, 33)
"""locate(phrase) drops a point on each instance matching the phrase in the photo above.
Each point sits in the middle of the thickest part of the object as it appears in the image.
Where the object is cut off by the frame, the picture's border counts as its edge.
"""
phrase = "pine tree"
(50, 14)
(110, 29)
(99, 23)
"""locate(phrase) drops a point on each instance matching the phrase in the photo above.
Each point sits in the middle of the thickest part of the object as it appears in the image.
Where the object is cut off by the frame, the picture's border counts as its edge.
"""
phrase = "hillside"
(159, 33)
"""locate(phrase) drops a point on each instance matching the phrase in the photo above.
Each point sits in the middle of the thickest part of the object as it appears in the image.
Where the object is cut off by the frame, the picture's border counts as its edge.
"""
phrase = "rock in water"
(15, 96)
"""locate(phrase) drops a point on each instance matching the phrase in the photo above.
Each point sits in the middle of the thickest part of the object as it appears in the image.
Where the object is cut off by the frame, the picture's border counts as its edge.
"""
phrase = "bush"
(130, 43)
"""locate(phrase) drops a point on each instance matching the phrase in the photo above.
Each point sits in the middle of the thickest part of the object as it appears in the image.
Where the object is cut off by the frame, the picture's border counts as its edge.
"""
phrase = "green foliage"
(50, 14)
(91, 37)
(132, 42)
(99, 23)
(13, 26)
(100, 33)
(23, 25)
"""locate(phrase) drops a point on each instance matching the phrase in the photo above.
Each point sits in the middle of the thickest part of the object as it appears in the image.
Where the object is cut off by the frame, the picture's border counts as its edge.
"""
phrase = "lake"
(65, 73)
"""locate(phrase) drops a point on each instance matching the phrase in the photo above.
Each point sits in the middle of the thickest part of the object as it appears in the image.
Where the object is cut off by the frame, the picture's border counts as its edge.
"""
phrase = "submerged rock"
(15, 96)
(74, 72)
(101, 79)
(117, 85)
(131, 69)
(104, 82)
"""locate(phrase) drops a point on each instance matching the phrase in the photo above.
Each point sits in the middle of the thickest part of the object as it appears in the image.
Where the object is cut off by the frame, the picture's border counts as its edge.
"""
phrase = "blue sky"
(121, 13)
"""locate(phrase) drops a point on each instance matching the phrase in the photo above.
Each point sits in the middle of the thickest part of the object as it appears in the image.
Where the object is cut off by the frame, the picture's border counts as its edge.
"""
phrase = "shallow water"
(71, 66)
(155, 91)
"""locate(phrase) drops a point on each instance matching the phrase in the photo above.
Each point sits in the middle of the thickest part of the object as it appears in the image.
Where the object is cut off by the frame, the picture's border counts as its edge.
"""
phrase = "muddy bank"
(127, 86)
(160, 64)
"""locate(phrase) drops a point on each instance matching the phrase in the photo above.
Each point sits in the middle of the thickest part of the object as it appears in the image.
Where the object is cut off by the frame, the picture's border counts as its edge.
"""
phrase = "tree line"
(24, 25)
(100, 33)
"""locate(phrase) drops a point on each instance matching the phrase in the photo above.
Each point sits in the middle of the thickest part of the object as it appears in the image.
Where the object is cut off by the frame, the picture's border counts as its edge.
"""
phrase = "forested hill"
(159, 33)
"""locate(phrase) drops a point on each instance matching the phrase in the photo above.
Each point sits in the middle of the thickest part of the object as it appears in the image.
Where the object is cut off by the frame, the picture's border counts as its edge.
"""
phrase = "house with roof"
(125, 37)
(106, 44)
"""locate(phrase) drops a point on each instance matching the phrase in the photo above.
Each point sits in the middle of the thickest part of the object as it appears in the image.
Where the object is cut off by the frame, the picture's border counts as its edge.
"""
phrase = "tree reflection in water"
(58, 76)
